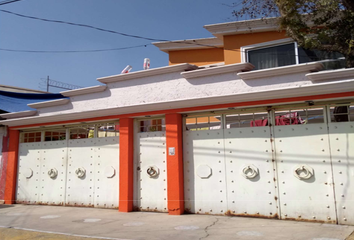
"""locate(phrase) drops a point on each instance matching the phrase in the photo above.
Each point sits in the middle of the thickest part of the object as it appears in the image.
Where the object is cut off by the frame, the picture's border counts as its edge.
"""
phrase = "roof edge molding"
(51, 103)
(201, 43)
(271, 72)
(238, 67)
(332, 74)
(302, 90)
(82, 91)
(18, 114)
(147, 73)
(247, 26)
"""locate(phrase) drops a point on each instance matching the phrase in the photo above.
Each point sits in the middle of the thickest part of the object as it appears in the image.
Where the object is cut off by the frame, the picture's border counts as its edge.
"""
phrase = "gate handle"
(253, 172)
(152, 171)
(308, 172)
(53, 173)
(80, 172)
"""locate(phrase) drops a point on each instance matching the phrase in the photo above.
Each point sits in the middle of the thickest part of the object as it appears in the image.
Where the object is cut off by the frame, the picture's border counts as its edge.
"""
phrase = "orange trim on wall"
(175, 185)
(200, 108)
(233, 43)
(197, 57)
(11, 170)
(126, 164)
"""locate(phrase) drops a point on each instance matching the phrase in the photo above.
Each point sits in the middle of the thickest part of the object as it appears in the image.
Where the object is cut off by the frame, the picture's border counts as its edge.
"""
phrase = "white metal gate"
(53, 172)
(106, 175)
(297, 164)
(251, 181)
(80, 183)
(82, 171)
(29, 172)
(342, 149)
(150, 169)
(204, 172)
(304, 172)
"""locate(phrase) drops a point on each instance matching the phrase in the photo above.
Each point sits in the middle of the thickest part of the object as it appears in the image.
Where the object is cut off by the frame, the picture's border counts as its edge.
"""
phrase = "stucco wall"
(171, 87)
(197, 57)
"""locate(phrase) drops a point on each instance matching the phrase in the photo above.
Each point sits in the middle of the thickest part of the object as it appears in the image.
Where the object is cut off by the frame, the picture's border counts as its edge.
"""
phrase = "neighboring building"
(216, 135)
(7, 88)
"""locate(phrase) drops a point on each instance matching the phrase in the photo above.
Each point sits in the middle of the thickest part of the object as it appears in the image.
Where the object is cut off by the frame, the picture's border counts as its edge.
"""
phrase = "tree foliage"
(326, 25)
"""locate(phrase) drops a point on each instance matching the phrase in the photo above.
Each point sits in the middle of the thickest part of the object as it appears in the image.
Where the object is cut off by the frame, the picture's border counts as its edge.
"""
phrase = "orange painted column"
(126, 164)
(11, 170)
(175, 188)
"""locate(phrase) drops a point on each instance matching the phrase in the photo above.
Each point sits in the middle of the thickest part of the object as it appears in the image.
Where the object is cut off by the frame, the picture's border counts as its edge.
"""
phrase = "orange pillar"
(175, 188)
(126, 158)
(11, 170)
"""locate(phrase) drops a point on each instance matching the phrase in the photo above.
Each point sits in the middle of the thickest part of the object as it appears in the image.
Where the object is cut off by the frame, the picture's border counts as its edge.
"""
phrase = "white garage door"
(77, 166)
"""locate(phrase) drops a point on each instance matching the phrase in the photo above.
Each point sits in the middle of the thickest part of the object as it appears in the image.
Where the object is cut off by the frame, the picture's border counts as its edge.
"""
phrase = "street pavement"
(19, 222)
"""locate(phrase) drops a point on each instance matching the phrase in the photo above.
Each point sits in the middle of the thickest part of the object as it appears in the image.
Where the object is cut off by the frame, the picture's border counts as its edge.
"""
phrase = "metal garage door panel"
(151, 152)
(298, 146)
(106, 172)
(53, 172)
(342, 150)
(29, 173)
(81, 157)
(204, 172)
(249, 150)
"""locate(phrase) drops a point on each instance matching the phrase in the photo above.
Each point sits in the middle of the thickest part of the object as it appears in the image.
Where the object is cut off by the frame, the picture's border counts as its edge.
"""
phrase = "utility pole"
(47, 83)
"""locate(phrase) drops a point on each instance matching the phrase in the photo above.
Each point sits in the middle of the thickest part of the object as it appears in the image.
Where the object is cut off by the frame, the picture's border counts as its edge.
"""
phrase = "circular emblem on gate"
(303, 172)
(153, 171)
(53, 173)
(109, 172)
(80, 172)
(250, 171)
(28, 173)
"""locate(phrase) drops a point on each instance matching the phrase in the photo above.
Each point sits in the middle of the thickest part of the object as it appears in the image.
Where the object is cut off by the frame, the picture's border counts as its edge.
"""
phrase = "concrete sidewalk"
(49, 222)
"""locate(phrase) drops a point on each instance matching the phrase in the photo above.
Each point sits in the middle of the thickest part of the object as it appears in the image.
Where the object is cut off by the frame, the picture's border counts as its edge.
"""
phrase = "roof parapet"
(50, 103)
(18, 114)
(332, 74)
(291, 69)
(82, 91)
(240, 27)
(147, 73)
(201, 43)
(238, 67)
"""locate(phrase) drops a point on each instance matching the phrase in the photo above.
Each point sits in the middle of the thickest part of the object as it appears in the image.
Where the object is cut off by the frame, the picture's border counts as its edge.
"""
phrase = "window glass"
(55, 135)
(203, 123)
(275, 56)
(152, 125)
(299, 116)
(243, 120)
(343, 113)
(330, 60)
(84, 131)
(29, 137)
(107, 130)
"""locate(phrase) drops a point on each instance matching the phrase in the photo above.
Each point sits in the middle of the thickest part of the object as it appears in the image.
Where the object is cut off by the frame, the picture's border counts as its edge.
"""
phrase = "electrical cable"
(8, 1)
(99, 29)
(73, 51)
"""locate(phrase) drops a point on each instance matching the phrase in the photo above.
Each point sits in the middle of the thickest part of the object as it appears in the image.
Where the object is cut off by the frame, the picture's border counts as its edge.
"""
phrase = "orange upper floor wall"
(233, 43)
(231, 53)
(197, 57)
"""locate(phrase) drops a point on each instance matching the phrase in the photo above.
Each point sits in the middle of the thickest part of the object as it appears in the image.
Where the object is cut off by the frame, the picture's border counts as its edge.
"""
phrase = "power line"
(8, 1)
(83, 25)
(72, 51)
(100, 29)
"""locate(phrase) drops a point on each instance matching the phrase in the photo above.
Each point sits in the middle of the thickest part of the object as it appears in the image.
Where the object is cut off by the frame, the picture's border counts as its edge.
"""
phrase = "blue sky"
(160, 19)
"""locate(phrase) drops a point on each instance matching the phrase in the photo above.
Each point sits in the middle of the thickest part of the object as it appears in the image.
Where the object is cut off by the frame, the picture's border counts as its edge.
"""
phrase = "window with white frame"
(286, 52)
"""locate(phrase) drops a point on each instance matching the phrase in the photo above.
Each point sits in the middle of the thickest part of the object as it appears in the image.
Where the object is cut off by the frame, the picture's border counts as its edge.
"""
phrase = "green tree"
(326, 25)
